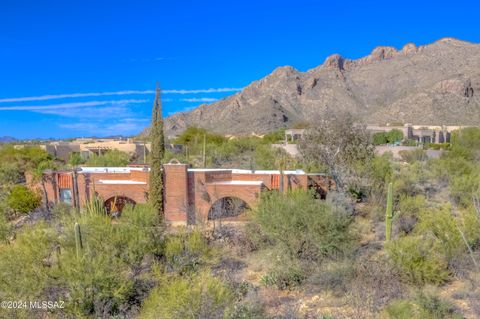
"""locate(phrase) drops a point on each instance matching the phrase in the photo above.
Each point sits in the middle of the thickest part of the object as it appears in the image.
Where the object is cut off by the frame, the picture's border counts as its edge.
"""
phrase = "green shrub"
(188, 297)
(9, 174)
(23, 200)
(108, 279)
(423, 305)
(442, 226)
(75, 159)
(420, 259)
(113, 158)
(284, 277)
(186, 252)
(304, 227)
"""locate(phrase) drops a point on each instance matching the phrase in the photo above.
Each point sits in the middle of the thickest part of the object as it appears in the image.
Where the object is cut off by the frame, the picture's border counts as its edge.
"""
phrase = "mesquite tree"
(156, 155)
(341, 145)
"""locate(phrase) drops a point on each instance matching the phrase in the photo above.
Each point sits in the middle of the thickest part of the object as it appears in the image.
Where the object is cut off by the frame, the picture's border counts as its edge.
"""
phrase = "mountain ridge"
(438, 83)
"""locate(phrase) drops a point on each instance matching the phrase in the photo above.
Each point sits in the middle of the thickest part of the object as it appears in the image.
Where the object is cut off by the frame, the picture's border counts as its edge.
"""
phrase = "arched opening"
(227, 207)
(115, 205)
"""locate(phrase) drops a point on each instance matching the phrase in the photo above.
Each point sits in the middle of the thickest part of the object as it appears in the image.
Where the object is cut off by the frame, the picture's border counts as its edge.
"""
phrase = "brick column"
(176, 192)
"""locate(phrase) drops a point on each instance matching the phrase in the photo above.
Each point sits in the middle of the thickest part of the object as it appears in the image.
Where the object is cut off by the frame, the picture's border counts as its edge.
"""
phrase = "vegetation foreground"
(297, 257)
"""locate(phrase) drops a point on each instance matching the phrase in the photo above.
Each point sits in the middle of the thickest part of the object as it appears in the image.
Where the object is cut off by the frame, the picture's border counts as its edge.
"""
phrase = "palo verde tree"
(157, 154)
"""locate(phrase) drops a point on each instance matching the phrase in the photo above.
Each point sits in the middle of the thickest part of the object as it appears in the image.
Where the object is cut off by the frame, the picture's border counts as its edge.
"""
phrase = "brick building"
(191, 195)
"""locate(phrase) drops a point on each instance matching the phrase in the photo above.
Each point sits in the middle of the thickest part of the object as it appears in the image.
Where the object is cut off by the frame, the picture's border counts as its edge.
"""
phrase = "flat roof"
(119, 182)
(119, 170)
(247, 171)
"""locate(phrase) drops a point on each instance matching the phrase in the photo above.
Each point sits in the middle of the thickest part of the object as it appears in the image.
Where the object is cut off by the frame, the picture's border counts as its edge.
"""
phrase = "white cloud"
(200, 99)
(91, 112)
(112, 93)
(68, 105)
(212, 90)
(127, 126)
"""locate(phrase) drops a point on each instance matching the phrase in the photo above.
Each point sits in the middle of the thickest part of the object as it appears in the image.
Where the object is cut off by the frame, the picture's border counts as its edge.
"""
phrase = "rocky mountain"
(437, 83)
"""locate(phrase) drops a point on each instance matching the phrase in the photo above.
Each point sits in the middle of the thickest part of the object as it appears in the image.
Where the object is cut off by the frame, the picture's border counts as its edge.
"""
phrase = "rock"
(387, 85)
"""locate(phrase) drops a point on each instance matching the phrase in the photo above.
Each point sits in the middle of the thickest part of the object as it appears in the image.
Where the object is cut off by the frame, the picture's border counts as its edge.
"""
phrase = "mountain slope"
(433, 84)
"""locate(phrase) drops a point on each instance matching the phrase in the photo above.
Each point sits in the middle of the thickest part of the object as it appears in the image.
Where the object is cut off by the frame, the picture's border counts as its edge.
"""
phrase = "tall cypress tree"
(156, 155)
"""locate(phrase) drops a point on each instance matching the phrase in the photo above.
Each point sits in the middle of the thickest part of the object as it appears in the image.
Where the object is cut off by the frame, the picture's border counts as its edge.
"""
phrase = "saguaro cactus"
(389, 213)
(78, 240)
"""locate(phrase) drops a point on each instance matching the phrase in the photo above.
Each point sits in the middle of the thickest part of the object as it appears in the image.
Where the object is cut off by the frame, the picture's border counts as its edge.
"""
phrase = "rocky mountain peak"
(429, 84)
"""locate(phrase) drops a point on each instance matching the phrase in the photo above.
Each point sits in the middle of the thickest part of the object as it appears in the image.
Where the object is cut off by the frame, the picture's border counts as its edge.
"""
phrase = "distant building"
(89, 146)
(419, 133)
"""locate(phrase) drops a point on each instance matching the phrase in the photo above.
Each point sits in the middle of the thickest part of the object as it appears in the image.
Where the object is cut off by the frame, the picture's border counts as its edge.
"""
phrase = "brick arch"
(227, 207)
(246, 193)
(117, 203)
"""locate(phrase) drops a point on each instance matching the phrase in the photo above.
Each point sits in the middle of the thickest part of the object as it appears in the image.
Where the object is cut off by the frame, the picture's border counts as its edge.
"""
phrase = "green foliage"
(389, 137)
(420, 259)
(274, 137)
(157, 155)
(186, 252)
(78, 240)
(111, 158)
(465, 143)
(189, 297)
(193, 138)
(423, 305)
(389, 213)
(314, 231)
(288, 276)
(108, 280)
(76, 159)
(94, 207)
(9, 174)
(5, 227)
(23, 200)
(442, 226)
(26, 158)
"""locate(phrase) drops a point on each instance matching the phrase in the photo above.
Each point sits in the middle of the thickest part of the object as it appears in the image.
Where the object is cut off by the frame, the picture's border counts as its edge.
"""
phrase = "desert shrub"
(113, 158)
(417, 155)
(465, 143)
(408, 212)
(186, 251)
(420, 259)
(61, 209)
(104, 279)
(24, 266)
(441, 225)
(75, 159)
(23, 200)
(286, 274)
(5, 227)
(9, 174)
(333, 275)
(409, 180)
(197, 296)
(306, 228)
(423, 305)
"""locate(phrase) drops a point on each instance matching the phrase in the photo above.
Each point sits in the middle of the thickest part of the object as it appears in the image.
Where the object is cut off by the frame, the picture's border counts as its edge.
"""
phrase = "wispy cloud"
(68, 105)
(91, 112)
(200, 99)
(125, 126)
(112, 93)
(217, 90)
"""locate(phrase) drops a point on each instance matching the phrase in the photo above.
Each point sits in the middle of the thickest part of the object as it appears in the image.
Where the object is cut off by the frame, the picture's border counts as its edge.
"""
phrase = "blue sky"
(58, 59)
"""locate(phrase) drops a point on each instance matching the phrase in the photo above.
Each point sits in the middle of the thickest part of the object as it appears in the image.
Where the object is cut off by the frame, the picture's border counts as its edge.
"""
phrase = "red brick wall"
(176, 192)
